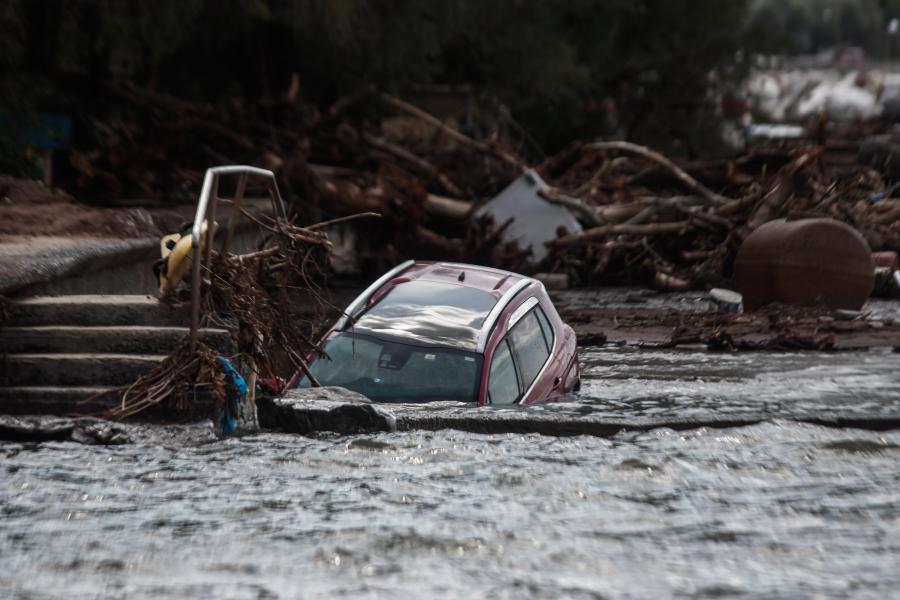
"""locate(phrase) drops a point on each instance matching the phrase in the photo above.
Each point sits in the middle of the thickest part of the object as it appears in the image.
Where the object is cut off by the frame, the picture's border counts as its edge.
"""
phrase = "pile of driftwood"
(647, 218)
(367, 153)
(263, 299)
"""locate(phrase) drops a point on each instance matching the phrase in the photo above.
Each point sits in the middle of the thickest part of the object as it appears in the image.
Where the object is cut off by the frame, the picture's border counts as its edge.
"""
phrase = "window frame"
(516, 370)
(534, 305)
(544, 320)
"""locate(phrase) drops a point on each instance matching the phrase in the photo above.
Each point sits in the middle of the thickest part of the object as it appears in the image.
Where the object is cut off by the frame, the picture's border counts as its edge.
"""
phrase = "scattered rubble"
(262, 299)
(798, 94)
(647, 219)
(650, 319)
(54, 429)
(654, 222)
(624, 214)
(91, 431)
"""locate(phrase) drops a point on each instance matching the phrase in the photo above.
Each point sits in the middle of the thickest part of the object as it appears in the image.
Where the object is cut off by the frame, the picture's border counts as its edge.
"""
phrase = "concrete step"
(129, 339)
(76, 369)
(98, 309)
(56, 400)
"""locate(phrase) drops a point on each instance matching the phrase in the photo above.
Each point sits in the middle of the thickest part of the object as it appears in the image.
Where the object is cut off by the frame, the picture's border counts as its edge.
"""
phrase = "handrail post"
(211, 220)
(195, 300)
(277, 200)
(195, 256)
(211, 188)
(235, 211)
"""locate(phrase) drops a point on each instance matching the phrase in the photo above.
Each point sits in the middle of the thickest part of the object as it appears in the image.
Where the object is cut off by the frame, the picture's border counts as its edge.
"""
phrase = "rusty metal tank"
(807, 262)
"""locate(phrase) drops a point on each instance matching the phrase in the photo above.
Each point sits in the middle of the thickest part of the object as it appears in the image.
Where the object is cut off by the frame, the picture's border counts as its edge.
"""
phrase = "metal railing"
(210, 191)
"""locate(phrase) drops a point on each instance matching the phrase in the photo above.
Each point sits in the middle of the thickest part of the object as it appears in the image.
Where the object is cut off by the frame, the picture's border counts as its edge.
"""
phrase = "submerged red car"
(429, 331)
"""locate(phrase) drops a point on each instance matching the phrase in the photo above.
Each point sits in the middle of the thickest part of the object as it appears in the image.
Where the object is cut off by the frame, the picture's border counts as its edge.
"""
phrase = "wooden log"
(332, 171)
(660, 205)
(599, 233)
(736, 206)
(448, 208)
(615, 213)
(330, 222)
(420, 164)
(453, 133)
(680, 174)
(586, 213)
(435, 241)
(772, 203)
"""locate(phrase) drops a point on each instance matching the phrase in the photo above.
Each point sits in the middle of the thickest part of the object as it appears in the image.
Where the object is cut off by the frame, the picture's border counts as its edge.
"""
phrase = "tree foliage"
(812, 26)
(561, 69)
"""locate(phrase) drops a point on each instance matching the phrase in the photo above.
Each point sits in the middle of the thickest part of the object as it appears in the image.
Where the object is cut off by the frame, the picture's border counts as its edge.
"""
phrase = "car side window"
(529, 346)
(503, 384)
(545, 327)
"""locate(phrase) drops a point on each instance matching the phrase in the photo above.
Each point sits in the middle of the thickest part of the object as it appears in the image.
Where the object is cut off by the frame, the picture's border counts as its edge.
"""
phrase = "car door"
(503, 381)
(520, 357)
(530, 347)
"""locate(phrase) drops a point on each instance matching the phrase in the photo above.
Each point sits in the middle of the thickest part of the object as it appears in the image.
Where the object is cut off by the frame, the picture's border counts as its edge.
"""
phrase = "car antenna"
(462, 276)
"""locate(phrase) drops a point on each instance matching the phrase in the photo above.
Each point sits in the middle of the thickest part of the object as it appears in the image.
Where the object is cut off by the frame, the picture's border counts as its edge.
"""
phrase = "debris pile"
(679, 227)
(646, 218)
(799, 94)
(254, 296)
(425, 177)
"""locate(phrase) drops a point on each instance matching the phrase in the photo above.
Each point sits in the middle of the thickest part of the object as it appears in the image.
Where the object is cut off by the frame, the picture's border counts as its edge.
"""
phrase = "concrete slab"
(324, 409)
(78, 369)
(310, 410)
(29, 261)
(136, 339)
(56, 400)
(97, 431)
(96, 309)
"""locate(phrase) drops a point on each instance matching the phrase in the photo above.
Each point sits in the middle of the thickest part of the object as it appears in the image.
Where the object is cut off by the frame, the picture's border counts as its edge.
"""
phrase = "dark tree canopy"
(562, 70)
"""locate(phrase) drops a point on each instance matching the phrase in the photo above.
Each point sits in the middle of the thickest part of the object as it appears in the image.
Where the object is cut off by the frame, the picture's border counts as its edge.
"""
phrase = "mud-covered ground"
(645, 317)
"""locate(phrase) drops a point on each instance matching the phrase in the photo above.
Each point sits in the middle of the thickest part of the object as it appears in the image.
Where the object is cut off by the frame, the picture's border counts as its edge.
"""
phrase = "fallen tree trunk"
(599, 233)
(420, 164)
(447, 208)
(453, 133)
(589, 215)
(658, 158)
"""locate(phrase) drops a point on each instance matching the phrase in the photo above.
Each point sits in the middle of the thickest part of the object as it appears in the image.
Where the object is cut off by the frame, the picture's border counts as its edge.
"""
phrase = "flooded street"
(449, 300)
(775, 510)
(697, 384)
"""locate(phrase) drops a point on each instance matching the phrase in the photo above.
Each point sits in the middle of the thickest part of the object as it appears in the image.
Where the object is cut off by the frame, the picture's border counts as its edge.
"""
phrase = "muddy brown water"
(775, 510)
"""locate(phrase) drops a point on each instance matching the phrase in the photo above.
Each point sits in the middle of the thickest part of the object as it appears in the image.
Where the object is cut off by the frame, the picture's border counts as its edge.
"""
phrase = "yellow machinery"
(176, 254)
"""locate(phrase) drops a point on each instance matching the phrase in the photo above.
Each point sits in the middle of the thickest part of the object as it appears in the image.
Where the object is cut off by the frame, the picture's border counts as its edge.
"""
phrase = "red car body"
(496, 327)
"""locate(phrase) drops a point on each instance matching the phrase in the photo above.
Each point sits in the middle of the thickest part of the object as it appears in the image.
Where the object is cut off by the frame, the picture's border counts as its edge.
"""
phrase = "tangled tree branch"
(263, 298)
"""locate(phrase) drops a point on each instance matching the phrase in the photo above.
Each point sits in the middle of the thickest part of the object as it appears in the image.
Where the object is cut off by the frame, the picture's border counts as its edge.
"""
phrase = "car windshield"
(389, 371)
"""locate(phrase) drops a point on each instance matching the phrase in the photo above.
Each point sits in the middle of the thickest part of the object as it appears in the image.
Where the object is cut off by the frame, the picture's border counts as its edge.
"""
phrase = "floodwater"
(776, 510)
(696, 383)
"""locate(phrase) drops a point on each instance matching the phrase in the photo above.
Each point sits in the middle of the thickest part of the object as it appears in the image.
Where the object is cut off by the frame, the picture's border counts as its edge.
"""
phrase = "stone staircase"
(57, 351)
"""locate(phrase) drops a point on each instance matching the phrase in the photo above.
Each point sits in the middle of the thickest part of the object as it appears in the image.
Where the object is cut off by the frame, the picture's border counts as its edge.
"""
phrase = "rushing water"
(694, 384)
(775, 510)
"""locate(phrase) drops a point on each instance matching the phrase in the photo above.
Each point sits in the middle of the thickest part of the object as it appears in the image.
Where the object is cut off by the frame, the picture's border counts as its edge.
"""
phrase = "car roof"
(492, 281)
(437, 303)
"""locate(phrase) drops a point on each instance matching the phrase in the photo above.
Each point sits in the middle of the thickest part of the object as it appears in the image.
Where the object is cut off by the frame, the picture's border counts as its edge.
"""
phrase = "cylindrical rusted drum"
(807, 262)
